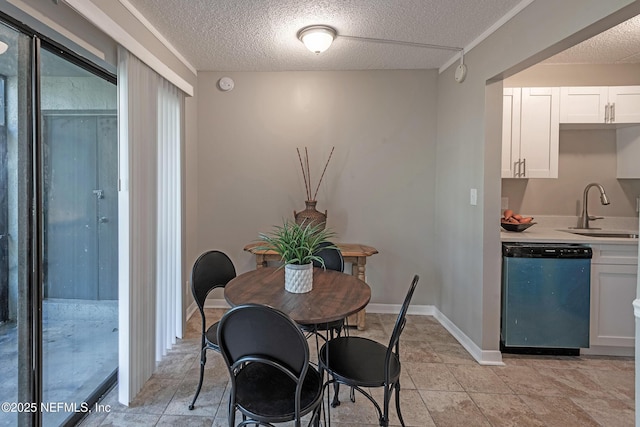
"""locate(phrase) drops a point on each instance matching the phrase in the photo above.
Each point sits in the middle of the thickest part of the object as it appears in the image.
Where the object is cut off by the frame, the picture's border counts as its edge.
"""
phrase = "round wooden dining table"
(334, 296)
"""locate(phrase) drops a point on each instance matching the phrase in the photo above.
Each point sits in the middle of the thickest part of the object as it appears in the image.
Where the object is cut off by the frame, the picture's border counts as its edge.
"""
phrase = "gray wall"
(378, 189)
(466, 158)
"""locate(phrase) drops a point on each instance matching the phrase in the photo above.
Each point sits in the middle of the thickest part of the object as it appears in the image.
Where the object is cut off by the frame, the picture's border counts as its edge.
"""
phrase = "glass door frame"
(30, 352)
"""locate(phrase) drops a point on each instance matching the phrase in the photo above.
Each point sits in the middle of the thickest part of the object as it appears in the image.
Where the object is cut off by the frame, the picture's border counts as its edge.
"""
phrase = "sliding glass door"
(58, 232)
(80, 229)
(16, 299)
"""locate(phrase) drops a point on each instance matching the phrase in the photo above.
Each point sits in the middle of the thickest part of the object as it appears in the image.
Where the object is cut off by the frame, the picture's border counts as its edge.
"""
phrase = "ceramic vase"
(298, 279)
(310, 215)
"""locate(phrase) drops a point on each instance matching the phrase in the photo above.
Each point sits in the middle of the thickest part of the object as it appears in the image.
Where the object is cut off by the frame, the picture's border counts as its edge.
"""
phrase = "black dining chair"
(363, 363)
(331, 256)
(213, 269)
(267, 356)
(333, 260)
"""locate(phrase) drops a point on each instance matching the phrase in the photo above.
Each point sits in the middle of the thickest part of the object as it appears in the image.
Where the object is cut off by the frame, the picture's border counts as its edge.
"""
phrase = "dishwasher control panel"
(546, 250)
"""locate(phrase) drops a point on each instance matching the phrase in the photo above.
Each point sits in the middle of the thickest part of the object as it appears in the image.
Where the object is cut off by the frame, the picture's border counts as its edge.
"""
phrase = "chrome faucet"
(583, 222)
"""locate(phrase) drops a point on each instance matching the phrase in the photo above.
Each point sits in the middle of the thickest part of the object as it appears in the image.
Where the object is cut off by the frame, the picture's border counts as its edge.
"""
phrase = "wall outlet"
(504, 203)
(473, 196)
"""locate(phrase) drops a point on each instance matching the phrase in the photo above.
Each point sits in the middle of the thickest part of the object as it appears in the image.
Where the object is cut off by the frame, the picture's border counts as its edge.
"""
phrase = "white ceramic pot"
(298, 279)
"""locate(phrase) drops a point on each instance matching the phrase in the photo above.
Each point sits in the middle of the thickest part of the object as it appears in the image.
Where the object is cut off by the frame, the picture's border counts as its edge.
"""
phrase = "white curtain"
(150, 116)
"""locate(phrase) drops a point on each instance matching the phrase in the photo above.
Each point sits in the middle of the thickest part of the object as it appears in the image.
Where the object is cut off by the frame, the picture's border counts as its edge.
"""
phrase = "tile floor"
(441, 386)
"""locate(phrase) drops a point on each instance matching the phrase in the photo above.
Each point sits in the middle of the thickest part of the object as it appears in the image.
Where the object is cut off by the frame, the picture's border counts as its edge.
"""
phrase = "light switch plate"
(473, 196)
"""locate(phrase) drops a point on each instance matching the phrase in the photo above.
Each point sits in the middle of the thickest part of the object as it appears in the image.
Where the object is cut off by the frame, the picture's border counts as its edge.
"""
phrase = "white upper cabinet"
(600, 104)
(540, 131)
(530, 132)
(628, 152)
(510, 132)
(583, 104)
(625, 104)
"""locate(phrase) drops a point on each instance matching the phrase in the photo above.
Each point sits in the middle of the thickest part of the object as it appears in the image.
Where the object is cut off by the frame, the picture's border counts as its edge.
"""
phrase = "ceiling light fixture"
(3, 47)
(317, 38)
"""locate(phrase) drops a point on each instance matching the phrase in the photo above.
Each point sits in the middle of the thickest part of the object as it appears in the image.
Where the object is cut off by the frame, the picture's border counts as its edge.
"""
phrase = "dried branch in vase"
(306, 172)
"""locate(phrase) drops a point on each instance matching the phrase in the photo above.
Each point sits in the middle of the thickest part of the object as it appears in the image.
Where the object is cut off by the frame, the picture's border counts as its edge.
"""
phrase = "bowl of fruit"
(511, 221)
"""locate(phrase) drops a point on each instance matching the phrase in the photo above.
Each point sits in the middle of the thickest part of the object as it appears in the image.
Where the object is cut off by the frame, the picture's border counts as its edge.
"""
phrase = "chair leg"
(336, 390)
(316, 416)
(203, 361)
(384, 420)
(397, 387)
(232, 412)
(317, 345)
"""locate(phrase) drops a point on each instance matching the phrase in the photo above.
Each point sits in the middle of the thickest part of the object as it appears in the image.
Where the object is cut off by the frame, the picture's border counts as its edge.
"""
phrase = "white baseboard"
(209, 303)
(215, 303)
(422, 310)
(193, 307)
(483, 357)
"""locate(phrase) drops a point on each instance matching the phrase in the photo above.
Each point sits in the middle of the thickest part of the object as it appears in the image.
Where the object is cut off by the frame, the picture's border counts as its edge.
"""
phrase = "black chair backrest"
(212, 269)
(254, 332)
(332, 257)
(399, 326)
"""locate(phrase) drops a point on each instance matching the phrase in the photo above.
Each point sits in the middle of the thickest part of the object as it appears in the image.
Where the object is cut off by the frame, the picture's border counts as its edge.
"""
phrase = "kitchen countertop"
(557, 235)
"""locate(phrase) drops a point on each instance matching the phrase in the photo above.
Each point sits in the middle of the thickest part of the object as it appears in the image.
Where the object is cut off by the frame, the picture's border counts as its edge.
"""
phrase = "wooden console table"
(354, 253)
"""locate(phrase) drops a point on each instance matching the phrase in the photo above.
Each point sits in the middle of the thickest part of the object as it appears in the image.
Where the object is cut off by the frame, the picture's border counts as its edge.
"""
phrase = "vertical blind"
(150, 221)
(169, 302)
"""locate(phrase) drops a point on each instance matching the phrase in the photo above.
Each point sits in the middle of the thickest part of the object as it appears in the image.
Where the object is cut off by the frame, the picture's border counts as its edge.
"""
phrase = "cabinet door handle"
(606, 113)
(612, 113)
(524, 168)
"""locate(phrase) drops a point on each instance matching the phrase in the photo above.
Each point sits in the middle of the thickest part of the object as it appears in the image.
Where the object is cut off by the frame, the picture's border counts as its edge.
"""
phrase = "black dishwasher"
(545, 298)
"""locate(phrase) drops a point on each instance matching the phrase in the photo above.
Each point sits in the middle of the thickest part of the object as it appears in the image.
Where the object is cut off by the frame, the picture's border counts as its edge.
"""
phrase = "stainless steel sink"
(603, 233)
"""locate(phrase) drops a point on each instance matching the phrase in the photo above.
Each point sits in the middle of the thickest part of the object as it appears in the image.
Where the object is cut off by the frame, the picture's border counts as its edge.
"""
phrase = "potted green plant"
(297, 245)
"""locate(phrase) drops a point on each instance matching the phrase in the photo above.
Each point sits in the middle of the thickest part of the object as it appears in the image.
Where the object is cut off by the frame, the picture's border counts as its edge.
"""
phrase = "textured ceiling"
(260, 35)
(618, 45)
